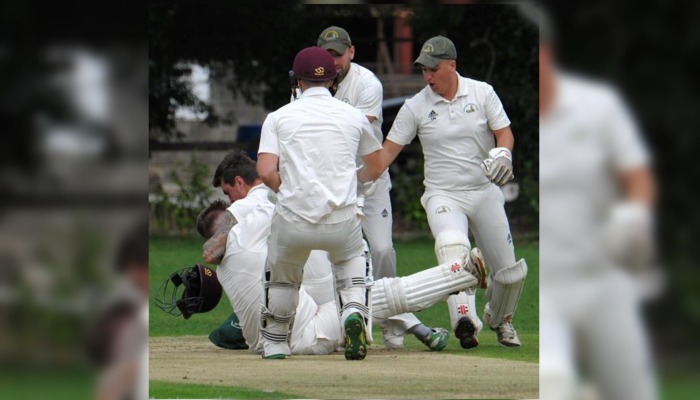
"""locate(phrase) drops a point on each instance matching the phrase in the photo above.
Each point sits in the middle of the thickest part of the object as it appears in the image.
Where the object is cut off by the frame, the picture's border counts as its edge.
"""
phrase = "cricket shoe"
(355, 340)
(391, 341)
(437, 340)
(466, 332)
(506, 333)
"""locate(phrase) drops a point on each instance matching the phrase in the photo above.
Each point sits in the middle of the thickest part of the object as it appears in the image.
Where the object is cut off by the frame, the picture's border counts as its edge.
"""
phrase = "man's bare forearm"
(215, 247)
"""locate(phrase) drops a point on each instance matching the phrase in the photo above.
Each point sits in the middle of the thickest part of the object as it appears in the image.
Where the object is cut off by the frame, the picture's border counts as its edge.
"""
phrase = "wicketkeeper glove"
(499, 166)
(628, 235)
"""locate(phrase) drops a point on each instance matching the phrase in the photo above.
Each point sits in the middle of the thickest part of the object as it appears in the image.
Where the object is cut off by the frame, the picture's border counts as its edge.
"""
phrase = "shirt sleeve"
(626, 144)
(405, 126)
(368, 142)
(268, 136)
(370, 98)
(493, 108)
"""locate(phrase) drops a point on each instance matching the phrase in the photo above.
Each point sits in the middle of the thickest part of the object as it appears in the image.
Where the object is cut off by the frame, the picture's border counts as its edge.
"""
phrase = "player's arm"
(504, 138)
(389, 152)
(639, 186)
(372, 168)
(215, 247)
(268, 170)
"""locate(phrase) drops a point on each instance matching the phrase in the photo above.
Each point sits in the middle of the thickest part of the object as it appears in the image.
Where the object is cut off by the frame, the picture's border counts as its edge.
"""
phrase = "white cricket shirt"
(241, 207)
(361, 89)
(316, 139)
(586, 140)
(456, 135)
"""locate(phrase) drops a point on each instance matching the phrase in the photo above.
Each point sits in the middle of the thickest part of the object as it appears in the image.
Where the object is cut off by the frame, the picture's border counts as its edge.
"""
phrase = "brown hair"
(206, 218)
(235, 163)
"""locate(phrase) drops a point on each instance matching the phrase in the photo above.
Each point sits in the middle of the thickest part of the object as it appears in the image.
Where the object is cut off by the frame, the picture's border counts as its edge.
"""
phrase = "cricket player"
(467, 144)
(360, 88)
(316, 327)
(597, 193)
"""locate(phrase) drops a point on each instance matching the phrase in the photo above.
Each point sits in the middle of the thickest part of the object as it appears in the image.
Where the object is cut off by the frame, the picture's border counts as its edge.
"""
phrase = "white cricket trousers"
(289, 246)
(479, 210)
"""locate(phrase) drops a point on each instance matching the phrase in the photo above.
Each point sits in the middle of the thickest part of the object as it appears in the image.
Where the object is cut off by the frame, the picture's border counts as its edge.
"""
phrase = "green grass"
(168, 255)
(56, 383)
(168, 390)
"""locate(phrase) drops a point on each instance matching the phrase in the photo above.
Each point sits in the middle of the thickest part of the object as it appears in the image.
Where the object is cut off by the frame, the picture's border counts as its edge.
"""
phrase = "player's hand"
(499, 166)
(361, 206)
(366, 189)
(628, 235)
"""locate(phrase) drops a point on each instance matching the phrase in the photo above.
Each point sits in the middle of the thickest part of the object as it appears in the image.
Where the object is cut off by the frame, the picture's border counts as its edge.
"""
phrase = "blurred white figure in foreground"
(596, 237)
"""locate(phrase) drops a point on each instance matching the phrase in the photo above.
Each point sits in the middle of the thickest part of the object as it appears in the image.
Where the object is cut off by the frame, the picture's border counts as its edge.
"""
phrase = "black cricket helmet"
(188, 291)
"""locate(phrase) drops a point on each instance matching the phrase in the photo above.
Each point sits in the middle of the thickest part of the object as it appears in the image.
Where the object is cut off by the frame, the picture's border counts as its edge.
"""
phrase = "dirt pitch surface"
(383, 374)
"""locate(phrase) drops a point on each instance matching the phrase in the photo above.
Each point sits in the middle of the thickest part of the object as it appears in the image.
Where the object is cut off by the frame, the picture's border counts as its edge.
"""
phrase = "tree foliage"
(257, 42)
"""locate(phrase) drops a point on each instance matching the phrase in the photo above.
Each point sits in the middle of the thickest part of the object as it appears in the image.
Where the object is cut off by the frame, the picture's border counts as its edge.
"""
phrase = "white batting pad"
(507, 285)
(392, 296)
(463, 304)
(451, 244)
(353, 286)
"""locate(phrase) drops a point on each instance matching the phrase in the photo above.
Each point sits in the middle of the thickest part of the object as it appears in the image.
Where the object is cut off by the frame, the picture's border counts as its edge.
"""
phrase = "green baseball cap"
(334, 38)
(435, 50)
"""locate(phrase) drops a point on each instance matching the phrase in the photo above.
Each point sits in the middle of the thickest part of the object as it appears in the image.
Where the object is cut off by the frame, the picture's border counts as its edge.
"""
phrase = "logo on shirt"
(346, 100)
(385, 213)
(319, 71)
(442, 210)
(470, 108)
(509, 238)
(432, 115)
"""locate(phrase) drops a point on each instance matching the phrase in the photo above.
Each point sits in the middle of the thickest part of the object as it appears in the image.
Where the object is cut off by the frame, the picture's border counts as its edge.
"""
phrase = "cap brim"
(427, 61)
(339, 47)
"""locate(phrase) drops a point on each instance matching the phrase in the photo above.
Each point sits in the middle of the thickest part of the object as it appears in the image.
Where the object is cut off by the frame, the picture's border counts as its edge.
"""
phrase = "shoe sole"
(355, 342)
(466, 333)
(483, 282)
(275, 357)
(509, 344)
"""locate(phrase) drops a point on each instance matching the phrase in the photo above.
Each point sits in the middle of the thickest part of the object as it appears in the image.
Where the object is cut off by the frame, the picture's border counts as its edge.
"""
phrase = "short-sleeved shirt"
(317, 139)
(586, 140)
(361, 89)
(241, 207)
(456, 135)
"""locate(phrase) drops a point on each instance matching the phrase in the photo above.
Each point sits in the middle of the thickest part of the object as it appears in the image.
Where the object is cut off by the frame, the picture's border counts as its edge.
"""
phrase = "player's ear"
(351, 51)
(239, 181)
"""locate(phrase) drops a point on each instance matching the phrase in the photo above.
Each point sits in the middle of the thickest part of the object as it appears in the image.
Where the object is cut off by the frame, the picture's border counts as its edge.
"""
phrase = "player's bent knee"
(451, 244)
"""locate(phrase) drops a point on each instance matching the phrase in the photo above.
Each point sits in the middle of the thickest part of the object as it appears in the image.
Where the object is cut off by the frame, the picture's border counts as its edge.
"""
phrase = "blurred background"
(646, 56)
(73, 193)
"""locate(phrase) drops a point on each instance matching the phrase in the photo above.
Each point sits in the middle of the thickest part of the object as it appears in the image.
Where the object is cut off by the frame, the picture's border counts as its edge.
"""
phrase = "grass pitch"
(168, 255)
